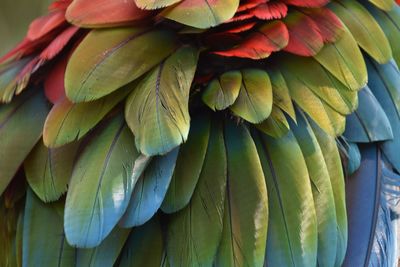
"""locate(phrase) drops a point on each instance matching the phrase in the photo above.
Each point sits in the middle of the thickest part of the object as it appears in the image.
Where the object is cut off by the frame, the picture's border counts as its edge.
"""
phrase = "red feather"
(41, 32)
(25, 48)
(242, 27)
(330, 26)
(23, 77)
(269, 11)
(52, 50)
(54, 83)
(59, 5)
(240, 17)
(43, 25)
(269, 38)
(55, 47)
(304, 35)
(306, 3)
(250, 4)
(104, 12)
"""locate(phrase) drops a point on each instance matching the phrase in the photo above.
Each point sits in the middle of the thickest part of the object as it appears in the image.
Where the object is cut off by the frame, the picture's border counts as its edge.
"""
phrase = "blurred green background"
(15, 16)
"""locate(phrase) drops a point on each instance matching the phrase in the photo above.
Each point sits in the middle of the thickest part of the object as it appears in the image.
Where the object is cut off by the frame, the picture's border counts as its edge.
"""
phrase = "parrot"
(202, 133)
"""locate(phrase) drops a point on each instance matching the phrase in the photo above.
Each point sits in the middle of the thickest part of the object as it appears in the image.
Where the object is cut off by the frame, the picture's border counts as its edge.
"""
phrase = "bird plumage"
(198, 133)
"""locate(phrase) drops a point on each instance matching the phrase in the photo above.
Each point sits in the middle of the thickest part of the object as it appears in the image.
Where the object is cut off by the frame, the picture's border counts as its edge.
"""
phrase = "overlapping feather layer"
(192, 133)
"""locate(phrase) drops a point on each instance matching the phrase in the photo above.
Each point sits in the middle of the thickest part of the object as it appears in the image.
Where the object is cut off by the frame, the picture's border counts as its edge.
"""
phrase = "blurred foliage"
(15, 16)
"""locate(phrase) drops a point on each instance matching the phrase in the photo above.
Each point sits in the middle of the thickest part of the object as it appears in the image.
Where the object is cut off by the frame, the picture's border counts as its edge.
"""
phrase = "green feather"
(254, 103)
(44, 242)
(303, 90)
(386, 5)
(105, 254)
(384, 84)
(28, 112)
(390, 24)
(353, 158)
(344, 60)
(276, 125)
(310, 75)
(157, 110)
(202, 14)
(151, 4)
(322, 191)
(194, 232)
(223, 91)
(8, 76)
(110, 58)
(246, 203)
(68, 122)
(334, 164)
(369, 123)
(281, 93)
(188, 165)
(48, 170)
(101, 184)
(150, 190)
(144, 246)
(364, 28)
(292, 228)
